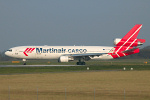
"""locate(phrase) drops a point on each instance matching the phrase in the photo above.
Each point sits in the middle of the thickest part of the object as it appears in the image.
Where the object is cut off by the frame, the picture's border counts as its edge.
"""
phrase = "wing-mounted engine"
(65, 59)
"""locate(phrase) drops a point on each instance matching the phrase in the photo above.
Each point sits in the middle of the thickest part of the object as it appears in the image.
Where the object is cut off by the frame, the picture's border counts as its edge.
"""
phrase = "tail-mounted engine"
(131, 43)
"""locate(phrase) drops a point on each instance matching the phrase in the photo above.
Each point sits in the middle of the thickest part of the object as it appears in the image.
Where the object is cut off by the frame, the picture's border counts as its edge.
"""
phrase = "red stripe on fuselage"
(28, 50)
(32, 50)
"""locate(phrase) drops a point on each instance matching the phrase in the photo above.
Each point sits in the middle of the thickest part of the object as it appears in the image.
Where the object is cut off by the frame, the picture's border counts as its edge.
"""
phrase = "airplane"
(128, 45)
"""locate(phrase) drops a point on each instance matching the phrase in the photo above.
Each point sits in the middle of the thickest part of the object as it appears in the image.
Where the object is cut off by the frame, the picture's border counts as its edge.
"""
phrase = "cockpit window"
(10, 50)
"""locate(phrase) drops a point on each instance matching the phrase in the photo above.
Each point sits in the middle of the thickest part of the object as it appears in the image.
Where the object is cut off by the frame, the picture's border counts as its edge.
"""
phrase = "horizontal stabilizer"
(130, 50)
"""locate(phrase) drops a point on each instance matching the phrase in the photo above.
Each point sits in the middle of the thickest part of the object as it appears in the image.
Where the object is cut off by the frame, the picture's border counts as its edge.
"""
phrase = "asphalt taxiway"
(35, 65)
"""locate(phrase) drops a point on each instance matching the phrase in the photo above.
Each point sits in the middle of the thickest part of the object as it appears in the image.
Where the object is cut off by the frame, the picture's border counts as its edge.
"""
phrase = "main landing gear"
(81, 62)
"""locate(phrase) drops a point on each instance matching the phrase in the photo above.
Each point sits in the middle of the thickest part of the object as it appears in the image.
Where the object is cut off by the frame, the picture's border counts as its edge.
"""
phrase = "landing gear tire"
(24, 63)
(80, 63)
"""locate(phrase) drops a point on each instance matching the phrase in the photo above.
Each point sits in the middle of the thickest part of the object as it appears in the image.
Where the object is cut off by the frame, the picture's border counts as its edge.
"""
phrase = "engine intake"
(116, 41)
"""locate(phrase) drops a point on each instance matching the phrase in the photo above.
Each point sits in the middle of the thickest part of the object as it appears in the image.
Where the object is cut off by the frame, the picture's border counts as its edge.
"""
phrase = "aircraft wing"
(86, 54)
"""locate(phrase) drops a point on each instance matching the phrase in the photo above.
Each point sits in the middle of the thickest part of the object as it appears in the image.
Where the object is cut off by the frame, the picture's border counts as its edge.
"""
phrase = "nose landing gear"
(24, 61)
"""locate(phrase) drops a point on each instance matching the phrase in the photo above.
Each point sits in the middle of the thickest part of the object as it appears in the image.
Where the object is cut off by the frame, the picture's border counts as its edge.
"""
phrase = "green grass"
(14, 70)
(90, 62)
(119, 64)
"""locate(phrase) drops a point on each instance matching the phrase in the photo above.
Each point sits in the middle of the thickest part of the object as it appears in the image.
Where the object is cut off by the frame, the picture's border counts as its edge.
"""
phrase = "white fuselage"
(54, 52)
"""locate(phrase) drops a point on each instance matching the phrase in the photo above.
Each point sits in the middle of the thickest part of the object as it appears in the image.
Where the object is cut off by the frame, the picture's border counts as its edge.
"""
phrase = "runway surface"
(35, 65)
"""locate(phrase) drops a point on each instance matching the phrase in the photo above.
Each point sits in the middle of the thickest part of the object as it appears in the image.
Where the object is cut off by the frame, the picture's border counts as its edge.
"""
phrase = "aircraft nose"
(6, 53)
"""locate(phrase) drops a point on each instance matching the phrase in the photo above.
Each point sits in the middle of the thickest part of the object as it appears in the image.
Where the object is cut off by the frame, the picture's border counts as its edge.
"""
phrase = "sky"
(71, 22)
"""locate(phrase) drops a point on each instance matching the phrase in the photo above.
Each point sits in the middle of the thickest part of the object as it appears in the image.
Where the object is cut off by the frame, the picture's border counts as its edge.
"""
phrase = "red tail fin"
(130, 37)
(128, 44)
(133, 33)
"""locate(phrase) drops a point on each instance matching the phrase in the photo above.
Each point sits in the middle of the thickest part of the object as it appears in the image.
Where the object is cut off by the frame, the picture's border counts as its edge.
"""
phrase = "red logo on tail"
(28, 50)
(129, 44)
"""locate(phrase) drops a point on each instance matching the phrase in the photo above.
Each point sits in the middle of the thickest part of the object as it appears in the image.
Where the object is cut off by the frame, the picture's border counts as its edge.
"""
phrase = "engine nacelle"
(116, 41)
(65, 59)
(131, 43)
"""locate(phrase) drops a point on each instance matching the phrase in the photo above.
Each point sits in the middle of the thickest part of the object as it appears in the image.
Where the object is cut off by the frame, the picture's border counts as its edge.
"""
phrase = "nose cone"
(6, 53)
